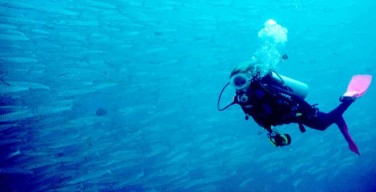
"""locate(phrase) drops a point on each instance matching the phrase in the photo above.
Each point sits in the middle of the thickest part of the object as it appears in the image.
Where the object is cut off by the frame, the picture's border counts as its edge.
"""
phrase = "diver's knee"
(320, 127)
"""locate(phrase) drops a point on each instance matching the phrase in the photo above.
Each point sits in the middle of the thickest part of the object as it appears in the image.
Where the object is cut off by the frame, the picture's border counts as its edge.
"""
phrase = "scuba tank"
(293, 86)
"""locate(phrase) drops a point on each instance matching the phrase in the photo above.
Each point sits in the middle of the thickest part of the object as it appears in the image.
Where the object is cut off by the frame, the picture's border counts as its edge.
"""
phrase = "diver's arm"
(263, 124)
(268, 128)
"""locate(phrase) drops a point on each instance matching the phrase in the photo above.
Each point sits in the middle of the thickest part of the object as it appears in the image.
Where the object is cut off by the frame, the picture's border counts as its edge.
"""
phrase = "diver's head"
(240, 78)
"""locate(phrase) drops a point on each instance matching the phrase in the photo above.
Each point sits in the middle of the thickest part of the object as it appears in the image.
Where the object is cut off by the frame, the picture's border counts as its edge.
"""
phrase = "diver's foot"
(347, 99)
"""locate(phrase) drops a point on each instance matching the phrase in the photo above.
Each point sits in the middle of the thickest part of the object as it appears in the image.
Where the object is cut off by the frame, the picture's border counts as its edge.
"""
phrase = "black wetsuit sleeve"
(263, 124)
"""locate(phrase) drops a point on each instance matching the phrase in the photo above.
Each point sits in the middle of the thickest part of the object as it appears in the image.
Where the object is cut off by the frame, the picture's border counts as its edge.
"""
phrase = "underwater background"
(121, 95)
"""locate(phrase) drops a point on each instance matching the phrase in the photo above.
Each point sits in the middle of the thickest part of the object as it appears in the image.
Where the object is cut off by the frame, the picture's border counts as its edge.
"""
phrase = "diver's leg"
(322, 121)
(338, 111)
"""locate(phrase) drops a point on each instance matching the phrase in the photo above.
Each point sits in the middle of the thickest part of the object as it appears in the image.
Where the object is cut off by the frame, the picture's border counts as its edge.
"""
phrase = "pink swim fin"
(358, 86)
(345, 132)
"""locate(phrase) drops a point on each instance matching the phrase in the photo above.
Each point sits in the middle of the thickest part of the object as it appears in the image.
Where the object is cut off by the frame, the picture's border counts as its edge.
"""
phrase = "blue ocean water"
(121, 96)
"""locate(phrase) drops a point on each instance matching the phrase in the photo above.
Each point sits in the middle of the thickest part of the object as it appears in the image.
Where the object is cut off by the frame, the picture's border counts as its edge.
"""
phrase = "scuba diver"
(273, 100)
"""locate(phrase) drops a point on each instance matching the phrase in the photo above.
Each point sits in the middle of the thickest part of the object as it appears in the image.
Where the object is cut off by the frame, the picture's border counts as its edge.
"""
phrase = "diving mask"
(240, 80)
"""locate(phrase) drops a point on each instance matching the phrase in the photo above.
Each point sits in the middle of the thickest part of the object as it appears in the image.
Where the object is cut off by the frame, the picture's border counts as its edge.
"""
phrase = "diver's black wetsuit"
(271, 104)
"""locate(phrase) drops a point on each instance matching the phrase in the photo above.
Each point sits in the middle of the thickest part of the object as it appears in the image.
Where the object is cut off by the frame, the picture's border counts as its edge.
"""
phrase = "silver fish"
(16, 116)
